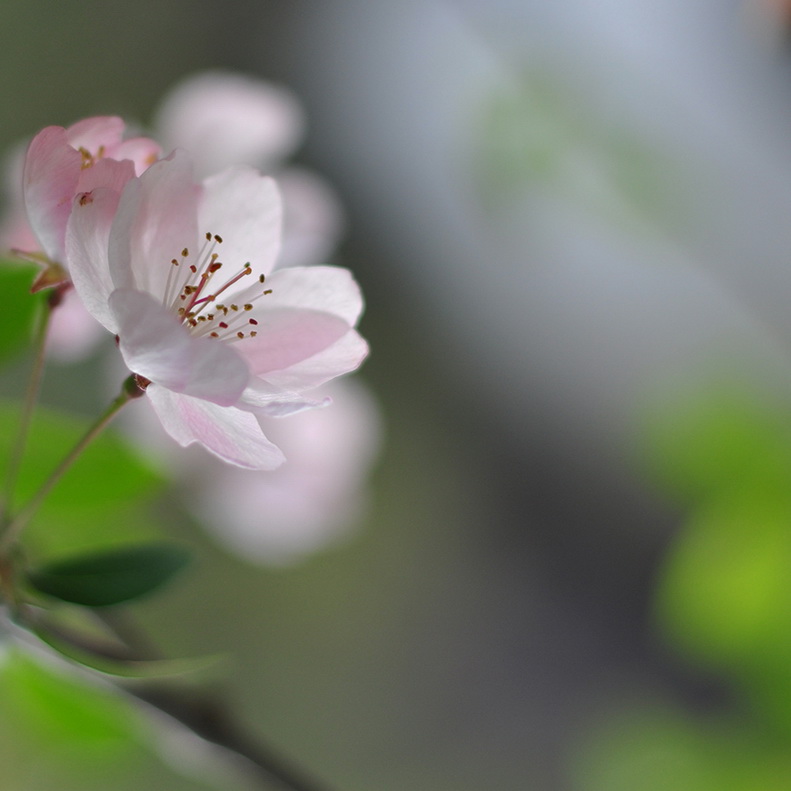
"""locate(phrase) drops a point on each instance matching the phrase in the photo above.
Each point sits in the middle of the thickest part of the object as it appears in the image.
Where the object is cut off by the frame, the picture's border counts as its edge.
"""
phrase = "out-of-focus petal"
(142, 151)
(95, 134)
(313, 221)
(228, 119)
(73, 333)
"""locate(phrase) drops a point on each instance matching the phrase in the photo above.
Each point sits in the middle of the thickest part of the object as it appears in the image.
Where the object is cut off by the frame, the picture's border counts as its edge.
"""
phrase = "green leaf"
(108, 472)
(19, 306)
(110, 577)
(60, 709)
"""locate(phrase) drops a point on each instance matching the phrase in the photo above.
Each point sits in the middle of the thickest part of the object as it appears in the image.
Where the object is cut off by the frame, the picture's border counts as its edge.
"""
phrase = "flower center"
(189, 292)
(89, 159)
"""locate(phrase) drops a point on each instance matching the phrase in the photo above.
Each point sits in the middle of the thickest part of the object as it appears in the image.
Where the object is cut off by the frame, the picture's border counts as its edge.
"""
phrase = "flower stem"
(19, 522)
(28, 405)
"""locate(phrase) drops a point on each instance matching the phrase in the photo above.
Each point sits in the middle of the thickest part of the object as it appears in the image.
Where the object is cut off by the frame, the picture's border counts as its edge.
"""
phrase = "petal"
(51, 172)
(229, 433)
(298, 350)
(266, 400)
(142, 151)
(342, 357)
(157, 219)
(102, 131)
(244, 208)
(305, 336)
(87, 236)
(229, 119)
(157, 346)
(108, 173)
(328, 289)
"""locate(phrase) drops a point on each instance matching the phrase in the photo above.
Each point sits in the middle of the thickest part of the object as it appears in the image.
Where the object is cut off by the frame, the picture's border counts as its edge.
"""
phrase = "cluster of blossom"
(214, 293)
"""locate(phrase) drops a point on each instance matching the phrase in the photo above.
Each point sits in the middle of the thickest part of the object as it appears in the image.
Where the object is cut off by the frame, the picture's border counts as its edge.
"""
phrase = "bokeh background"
(571, 224)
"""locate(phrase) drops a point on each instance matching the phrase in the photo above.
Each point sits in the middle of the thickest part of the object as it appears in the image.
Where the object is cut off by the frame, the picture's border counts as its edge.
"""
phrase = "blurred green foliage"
(722, 601)
(88, 506)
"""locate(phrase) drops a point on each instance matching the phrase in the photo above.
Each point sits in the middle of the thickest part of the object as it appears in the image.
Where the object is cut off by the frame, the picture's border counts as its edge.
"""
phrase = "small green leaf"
(111, 577)
(19, 306)
(122, 667)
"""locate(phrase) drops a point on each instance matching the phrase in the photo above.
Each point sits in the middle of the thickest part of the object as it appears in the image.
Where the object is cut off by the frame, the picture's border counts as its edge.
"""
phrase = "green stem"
(31, 395)
(129, 391)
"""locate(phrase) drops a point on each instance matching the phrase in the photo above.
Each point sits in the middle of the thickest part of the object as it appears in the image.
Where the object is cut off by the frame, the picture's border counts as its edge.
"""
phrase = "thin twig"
(208, 717)
(202, 712)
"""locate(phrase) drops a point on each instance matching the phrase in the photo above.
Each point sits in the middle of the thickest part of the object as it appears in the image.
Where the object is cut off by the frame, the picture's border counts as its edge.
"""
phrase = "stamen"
(186, 292)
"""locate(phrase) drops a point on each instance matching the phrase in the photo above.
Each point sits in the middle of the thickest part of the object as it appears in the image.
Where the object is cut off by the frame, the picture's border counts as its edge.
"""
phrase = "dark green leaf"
(111, 577)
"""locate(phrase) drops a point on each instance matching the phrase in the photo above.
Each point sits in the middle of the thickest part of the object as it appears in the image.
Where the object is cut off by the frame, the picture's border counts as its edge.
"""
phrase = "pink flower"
(61, 163)
(182, 274)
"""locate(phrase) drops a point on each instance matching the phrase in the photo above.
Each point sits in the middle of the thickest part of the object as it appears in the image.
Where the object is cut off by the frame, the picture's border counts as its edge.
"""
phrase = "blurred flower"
(278, 517)
(211, 366)
(226, 119)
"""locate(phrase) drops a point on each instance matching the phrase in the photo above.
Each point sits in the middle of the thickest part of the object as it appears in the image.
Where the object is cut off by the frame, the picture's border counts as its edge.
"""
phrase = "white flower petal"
(229, 433)
(244, 208)
(87, 235)
(156, 220)
(155, 345)
(329, 289)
